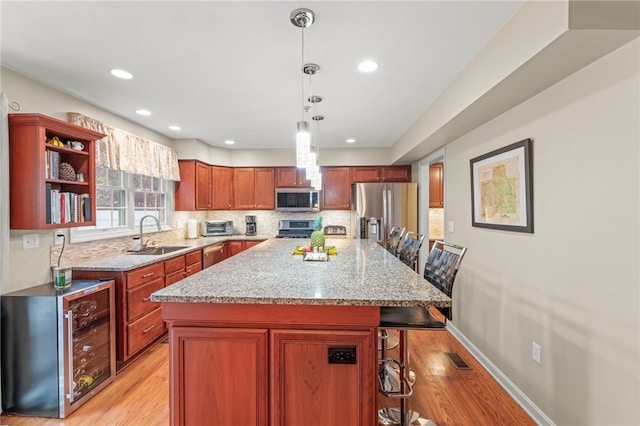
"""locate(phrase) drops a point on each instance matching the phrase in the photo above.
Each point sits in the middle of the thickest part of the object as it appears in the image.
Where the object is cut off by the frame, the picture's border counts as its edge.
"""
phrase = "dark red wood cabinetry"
(33, 179)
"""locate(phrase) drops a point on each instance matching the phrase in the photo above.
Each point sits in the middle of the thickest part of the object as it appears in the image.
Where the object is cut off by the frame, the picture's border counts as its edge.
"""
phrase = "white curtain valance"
(124, 151)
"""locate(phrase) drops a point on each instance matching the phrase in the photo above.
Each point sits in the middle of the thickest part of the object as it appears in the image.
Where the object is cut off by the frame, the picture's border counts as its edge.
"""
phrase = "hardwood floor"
(446, 395)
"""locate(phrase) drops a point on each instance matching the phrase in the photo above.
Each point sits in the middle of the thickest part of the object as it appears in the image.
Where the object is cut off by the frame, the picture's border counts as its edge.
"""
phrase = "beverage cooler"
(58, 347)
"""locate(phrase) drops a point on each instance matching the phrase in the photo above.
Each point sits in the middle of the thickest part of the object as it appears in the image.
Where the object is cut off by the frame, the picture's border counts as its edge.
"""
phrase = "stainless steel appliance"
(212, 228)
(295, 228)
(212, 255)
(58, 347)
(251, 225)
(381, 206)
(297, 200)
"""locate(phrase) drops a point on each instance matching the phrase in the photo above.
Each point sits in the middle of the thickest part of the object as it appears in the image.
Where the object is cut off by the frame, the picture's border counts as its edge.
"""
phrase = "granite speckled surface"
(127, 261)
(361, 274)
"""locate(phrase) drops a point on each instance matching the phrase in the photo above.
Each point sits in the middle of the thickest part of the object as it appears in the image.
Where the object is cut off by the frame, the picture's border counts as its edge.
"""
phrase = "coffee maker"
(252, 227)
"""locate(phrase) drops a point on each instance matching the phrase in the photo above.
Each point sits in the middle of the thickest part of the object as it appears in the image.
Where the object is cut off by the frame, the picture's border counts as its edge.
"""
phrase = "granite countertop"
(128, 261)
(361, 274)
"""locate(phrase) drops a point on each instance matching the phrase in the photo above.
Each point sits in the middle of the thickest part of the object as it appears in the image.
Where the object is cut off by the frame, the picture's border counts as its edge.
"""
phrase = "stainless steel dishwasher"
(212, 255)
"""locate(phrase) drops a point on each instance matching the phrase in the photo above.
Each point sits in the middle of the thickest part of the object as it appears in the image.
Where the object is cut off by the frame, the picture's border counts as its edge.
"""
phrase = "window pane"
(103, 197)
(146, 182)
(160, 198)
(156, 185)
(151, 200)
(138, 198)
(115, 178)
(136, 181)
(101, 176)
(119, 198)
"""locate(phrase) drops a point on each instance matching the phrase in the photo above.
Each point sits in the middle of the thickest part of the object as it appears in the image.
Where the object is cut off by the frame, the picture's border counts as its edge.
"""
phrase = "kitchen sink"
(156, 251)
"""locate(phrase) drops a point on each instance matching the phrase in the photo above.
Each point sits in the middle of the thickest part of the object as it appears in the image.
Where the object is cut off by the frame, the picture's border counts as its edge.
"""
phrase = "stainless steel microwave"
(217, 227)
(297, 200)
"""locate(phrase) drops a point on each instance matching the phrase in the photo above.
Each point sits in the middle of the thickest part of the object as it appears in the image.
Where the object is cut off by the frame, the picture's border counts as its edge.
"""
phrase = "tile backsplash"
(267, 225)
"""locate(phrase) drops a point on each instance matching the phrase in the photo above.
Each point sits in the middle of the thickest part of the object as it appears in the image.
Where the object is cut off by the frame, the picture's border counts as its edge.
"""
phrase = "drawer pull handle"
(148, 329)
(146, 299)
(148, 275)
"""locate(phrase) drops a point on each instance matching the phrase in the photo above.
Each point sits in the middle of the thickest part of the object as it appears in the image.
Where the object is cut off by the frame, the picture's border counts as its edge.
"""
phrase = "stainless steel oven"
(217, 227)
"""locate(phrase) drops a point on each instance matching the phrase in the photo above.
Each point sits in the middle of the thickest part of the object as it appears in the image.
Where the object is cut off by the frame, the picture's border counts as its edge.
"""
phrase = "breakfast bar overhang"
(265, 338)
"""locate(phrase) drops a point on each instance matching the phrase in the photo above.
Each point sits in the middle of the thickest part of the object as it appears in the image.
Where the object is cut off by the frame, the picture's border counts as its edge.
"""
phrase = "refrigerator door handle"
(69, 317)
(386, 203)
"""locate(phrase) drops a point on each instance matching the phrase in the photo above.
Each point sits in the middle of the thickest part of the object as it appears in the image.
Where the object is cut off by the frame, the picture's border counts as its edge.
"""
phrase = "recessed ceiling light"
(143, 112)
(368, 66)
(176, 128)
(126, 75)
(229, 142)
(350, 140)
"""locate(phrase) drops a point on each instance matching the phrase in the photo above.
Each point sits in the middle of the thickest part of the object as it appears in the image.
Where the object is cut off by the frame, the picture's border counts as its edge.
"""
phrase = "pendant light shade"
(303, 144)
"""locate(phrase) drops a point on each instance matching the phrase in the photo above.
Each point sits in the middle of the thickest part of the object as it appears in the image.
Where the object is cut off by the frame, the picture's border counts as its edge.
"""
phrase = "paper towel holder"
(192, 229)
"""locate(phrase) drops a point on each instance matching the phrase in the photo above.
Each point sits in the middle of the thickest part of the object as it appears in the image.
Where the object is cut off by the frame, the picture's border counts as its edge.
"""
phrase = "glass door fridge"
(58, 347)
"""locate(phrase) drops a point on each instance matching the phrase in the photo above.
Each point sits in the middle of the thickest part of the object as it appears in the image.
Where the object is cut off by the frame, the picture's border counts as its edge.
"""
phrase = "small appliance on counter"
(212, 228)
(252, 226)
(290, 228)
(192, 229)
(333, 230)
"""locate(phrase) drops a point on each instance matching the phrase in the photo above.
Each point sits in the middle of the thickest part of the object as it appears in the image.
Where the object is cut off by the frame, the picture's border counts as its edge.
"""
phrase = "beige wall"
(572, 285)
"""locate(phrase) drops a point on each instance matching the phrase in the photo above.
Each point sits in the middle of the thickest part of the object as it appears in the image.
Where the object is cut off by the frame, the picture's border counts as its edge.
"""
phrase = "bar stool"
(395, 377)
(410, 248)
(393, 241)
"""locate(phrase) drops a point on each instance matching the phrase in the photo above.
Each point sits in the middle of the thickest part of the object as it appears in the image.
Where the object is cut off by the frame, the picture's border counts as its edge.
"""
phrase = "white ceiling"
(231, 70)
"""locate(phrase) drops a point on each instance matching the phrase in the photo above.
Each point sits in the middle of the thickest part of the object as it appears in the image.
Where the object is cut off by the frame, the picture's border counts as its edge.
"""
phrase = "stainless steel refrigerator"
(58, 347)
(378, 207)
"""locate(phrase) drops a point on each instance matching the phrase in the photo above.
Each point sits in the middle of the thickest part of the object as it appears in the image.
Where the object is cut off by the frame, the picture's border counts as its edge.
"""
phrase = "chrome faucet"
(142, 244)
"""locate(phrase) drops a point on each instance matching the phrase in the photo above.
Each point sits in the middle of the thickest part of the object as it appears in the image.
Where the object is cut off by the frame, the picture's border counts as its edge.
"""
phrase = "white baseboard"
(527, 405)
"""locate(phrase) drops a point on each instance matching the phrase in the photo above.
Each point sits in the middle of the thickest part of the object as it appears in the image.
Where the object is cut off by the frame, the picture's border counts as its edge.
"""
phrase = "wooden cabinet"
(305, 382)
(381, 174)
(40, 196)
(193, 191)
(193, 262)
(291, 177)
(436, 185)
(336, 188)
(242, 363)
(233, 247)
(139, 321)
(253, 188)
(221, 187)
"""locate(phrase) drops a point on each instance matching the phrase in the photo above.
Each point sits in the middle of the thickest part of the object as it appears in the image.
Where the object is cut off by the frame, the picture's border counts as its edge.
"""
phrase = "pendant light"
(302, 18)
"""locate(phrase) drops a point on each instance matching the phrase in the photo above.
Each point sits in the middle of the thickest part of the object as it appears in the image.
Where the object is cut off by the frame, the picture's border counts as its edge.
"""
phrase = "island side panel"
(299, 338)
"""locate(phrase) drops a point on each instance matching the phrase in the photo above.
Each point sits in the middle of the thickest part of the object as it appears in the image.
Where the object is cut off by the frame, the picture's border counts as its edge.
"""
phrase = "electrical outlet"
(536, 352)
(58, 237)
(30, 241)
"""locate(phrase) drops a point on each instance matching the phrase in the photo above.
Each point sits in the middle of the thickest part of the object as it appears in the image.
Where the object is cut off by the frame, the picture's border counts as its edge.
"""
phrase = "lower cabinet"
(250, 365)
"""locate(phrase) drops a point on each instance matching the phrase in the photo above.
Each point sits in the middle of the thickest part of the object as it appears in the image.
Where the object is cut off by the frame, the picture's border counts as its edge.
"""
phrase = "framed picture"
(501, 189)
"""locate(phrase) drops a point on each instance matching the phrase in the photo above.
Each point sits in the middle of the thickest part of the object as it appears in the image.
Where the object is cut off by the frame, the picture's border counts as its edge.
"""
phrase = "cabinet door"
(310, 390)
(264, 188)
(221, 188)
(219, 376)
(336, 188)
(243, 188)
(235, 247)
(291, 177)
(365, 174)
(203, 187)
(395, 173)
(436, 181)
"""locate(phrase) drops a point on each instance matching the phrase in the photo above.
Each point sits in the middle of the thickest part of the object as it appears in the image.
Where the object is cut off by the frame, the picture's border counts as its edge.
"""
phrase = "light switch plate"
(450, 226)
(30, 241)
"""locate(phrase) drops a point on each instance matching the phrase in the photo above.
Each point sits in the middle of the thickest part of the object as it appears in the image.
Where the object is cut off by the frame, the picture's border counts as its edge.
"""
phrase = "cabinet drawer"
(173, 265)
(194, 257)
(192, 269)
(145, 330)
(174, 277)
(139, 299)
(145, 275)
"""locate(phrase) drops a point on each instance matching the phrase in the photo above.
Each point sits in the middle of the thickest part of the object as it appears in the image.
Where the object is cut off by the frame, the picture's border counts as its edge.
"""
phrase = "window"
(122, 199)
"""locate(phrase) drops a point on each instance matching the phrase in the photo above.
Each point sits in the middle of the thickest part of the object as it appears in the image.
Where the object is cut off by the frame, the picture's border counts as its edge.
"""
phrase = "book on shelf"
(47, 202)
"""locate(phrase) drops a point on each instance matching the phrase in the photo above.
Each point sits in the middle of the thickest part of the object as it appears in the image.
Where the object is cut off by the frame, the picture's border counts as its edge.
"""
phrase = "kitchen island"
(265, 338)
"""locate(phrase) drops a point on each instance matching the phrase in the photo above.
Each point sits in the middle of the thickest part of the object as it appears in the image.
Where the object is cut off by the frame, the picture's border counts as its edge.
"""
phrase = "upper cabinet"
(436, 185)
(193, 191)
(253, 188)
(381, 174)
(51, 180)
(221, 186)
(291, 177)
(336, 188)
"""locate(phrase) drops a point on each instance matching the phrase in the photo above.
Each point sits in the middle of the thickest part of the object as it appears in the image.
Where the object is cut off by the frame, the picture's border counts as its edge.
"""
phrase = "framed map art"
(501, 189)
